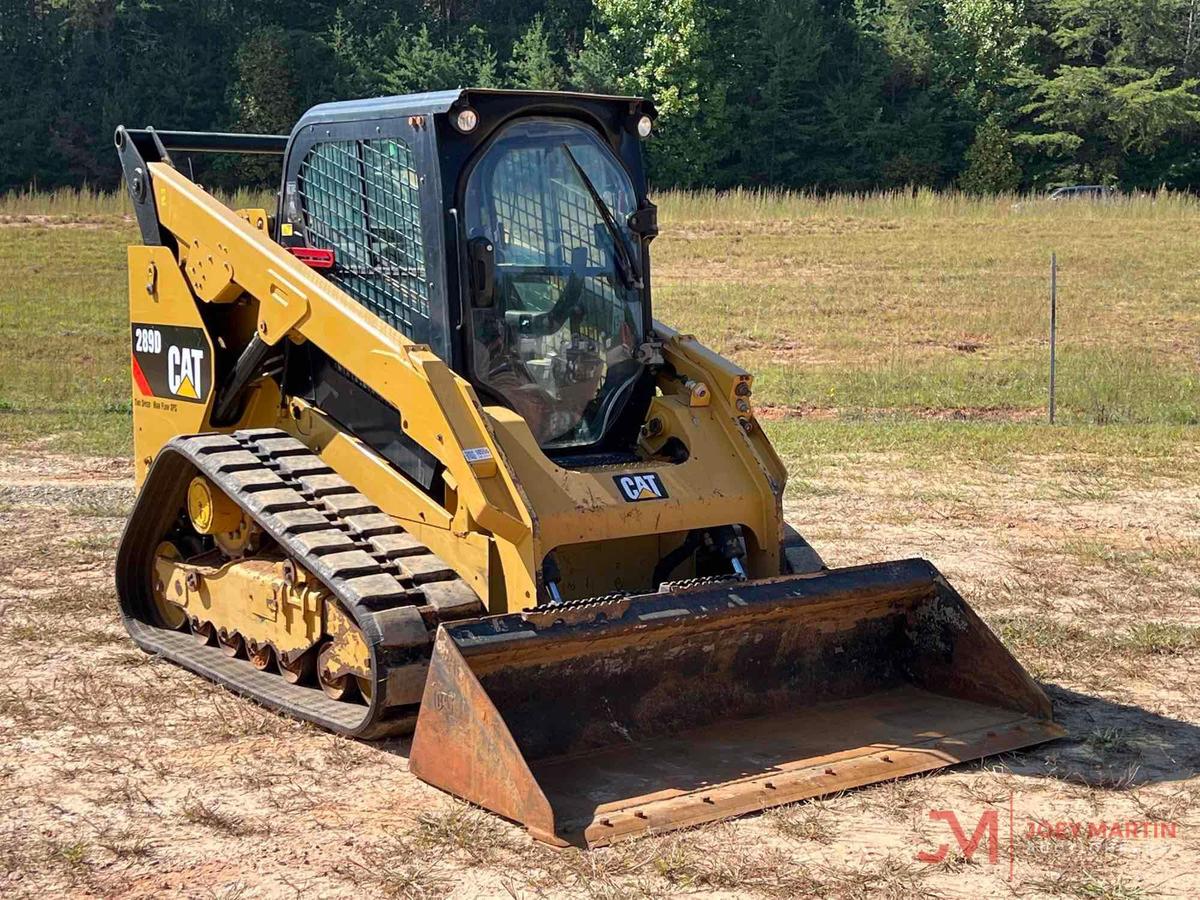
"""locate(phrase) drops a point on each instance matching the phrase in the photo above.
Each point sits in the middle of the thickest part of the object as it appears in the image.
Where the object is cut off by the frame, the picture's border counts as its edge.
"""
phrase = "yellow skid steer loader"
(412, 452)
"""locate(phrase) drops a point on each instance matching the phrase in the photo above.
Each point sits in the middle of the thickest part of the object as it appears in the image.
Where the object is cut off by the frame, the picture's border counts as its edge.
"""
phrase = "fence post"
(1053, 326)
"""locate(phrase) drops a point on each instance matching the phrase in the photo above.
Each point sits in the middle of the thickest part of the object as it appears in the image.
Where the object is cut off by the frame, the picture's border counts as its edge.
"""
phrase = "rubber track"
(396, 590)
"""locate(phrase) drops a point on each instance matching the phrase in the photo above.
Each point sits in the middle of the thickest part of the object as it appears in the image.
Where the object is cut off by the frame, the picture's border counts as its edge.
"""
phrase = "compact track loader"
(412, 452)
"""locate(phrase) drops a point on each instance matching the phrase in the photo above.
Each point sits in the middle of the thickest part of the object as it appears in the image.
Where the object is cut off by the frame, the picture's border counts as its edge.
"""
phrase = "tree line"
(983, 95)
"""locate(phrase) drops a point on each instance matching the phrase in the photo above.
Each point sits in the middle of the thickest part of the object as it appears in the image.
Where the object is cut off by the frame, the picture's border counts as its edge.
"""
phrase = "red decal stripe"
(139, 379)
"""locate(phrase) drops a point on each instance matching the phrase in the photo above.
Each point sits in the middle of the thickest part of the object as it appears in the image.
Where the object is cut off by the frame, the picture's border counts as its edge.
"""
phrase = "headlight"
(465, 120)
(644, 126)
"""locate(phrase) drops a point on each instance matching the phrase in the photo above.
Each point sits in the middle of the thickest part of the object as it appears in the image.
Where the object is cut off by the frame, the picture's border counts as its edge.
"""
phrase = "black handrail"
(207, 141)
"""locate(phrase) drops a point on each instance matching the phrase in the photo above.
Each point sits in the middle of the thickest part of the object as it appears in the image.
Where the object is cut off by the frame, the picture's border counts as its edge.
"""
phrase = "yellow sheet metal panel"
(721, 483)
(171, 355)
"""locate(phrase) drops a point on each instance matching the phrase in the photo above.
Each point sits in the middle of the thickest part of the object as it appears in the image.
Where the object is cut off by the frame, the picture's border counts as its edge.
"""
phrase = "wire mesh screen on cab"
(361, 199)
(541, 216)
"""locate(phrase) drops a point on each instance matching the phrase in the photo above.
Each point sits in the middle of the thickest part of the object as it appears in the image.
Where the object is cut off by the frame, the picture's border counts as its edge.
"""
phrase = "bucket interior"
(731, 768)
(675, 716)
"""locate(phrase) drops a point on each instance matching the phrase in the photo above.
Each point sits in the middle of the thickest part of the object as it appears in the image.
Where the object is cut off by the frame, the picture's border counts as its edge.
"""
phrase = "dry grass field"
(901, 347)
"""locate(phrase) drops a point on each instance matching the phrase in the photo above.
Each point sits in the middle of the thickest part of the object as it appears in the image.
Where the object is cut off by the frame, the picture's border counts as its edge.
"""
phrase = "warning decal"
(171, 362)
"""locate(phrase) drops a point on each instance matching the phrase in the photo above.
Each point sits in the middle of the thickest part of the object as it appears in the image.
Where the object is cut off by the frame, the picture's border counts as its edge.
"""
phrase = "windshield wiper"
(626, 267)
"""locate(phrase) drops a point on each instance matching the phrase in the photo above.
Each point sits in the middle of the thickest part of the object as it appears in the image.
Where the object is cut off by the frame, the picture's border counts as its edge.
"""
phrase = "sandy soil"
(120, 774)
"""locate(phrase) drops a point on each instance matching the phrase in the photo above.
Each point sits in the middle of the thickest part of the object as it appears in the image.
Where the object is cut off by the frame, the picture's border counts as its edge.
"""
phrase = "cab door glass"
(558, 335)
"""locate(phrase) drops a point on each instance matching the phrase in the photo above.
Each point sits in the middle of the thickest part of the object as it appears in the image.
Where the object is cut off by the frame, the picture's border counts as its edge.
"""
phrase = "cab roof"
(434, 102)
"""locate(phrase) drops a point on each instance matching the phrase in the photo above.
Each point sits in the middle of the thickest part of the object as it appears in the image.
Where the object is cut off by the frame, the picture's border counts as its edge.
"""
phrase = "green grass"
(1160, 639)
(87, 205)
(64, 346)
(77, 204)
(923, 302)
(1098, 386)
(1079, 451)
(756, 205)
(905, 323)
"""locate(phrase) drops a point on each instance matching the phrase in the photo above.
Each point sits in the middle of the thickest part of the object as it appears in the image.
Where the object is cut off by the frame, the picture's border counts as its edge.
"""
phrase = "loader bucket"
(593, 721)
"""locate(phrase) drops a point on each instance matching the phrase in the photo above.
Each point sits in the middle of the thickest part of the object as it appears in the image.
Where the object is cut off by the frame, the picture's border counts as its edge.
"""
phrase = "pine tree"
(269, 99)
(483, 69)
(29, 41)
(1113, 90)
(990, 168)
(532, 65)
(419, 64)
(784, 49)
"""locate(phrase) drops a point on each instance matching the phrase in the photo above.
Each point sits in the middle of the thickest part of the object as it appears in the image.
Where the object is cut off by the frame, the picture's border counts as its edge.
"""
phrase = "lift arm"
(223, 257)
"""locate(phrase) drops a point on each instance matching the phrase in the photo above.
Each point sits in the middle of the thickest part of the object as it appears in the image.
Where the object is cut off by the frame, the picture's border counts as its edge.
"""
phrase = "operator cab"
(507, 230)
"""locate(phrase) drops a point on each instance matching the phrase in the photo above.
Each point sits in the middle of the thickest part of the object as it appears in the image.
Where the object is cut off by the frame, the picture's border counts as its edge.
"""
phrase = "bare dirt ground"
(121, 774)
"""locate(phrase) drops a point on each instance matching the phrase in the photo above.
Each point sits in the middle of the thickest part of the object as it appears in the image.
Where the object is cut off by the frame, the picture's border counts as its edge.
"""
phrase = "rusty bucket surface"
(594, 721)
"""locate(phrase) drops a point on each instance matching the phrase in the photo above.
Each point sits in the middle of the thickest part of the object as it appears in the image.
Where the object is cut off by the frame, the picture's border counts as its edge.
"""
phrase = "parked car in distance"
(1082, 192)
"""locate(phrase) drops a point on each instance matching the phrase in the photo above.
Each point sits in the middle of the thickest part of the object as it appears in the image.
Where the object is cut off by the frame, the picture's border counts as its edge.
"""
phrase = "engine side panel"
(171, 355)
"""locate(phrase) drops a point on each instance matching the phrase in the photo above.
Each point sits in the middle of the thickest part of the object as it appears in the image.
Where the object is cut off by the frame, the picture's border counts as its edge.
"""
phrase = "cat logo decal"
(171, 362)
(644, 486)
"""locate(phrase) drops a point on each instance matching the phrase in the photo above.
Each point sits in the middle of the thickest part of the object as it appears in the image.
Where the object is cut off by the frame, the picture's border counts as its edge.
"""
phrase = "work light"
(465, 120)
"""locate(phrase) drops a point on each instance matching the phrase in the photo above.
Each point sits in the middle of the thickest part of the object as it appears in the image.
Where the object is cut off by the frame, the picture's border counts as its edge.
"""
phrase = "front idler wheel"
(169, 615)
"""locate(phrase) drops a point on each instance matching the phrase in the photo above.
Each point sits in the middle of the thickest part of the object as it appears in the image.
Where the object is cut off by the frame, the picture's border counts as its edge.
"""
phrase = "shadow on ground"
(1111, 745)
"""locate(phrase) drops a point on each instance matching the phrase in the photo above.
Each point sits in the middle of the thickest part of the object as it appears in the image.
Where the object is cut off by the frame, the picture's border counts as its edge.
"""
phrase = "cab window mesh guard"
(361, 199)
(540, 212)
